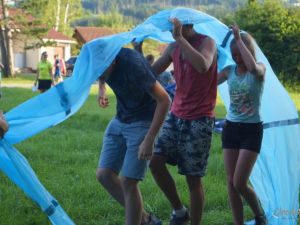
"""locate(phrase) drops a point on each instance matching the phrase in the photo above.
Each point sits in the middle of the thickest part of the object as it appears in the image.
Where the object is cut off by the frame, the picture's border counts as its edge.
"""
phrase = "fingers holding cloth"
(3, 125)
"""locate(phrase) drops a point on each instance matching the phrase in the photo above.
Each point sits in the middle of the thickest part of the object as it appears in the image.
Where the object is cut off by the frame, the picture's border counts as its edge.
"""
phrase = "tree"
(276, 29)
(55, 13)
(6, 41)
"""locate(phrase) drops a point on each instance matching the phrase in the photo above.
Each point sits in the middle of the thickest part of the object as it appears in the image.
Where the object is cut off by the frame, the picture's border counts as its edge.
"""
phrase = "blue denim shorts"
(186, 143)
(120, 147)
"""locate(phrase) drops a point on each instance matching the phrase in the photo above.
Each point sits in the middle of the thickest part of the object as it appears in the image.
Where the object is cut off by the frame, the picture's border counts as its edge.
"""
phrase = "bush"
(276, 29)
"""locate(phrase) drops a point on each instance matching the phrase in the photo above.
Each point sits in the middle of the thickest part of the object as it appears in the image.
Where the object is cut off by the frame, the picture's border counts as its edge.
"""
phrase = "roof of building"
(55, 35)
(13, 13)
(86, 34)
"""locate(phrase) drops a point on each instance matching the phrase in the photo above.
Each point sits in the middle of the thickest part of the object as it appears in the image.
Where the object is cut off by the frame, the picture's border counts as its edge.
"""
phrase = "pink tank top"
(196, 92)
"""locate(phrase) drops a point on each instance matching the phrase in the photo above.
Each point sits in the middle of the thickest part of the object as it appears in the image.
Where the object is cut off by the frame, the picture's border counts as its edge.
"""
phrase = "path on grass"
(16, 85)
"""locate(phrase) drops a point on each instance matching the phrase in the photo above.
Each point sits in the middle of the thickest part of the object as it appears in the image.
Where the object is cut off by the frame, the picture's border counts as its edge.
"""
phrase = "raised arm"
(201, 58)
(138, 46)
(164, 61)
(223, 75)
(162, 107)
(254, 67)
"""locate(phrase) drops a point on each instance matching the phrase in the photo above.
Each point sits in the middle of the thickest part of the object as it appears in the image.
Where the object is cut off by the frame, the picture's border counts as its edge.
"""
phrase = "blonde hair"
(248, 41)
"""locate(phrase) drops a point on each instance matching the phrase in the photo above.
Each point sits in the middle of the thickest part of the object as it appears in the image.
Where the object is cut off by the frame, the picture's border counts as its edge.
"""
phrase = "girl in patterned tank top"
(243, 131)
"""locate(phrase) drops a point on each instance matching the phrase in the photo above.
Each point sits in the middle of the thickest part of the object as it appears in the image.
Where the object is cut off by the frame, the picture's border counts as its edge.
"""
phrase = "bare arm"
(102, 98)
(138, 46)
(202, 58)
(162, 107)
(51, 74)
(164, 61)
(223, 75)
(37, 76)
(258, 69)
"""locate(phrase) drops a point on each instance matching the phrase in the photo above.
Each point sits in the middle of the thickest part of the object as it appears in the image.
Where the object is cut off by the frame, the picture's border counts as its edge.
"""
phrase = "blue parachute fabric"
(16, 166)
(276, 175)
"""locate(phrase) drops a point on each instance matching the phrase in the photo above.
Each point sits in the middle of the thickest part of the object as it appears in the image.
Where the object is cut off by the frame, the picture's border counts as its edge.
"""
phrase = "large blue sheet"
(276, 175)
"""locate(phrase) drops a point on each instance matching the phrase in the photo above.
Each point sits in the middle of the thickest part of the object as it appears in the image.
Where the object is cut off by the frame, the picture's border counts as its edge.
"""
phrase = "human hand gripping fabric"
(236, 31)
(3, 125)
(177, 28)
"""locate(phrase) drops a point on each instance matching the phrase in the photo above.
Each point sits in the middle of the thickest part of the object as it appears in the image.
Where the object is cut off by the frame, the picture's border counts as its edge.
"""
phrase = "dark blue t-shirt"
(131, 81)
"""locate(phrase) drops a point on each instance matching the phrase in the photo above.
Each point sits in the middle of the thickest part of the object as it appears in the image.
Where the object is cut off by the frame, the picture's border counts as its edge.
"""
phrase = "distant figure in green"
(44, 76)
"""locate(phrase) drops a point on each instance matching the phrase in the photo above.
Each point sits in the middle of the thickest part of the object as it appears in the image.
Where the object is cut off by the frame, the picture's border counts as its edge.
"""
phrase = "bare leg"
(196, 199)
(133, 201)
(165, 181)
(243, 170)
(112, 183)
(230, 161)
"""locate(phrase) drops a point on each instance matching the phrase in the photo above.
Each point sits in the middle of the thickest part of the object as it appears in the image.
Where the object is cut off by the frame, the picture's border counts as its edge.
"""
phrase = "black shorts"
(242, 136)
(44, 84)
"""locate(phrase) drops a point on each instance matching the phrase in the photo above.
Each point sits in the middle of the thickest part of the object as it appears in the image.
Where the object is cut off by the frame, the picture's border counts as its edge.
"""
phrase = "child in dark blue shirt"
(142, 104)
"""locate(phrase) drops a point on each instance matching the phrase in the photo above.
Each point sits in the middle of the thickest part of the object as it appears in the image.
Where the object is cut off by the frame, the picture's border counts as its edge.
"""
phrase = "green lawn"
(65, 159)
(20, 79)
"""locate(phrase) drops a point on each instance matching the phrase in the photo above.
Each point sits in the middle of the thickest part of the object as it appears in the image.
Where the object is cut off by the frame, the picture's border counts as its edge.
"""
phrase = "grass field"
(65, 159)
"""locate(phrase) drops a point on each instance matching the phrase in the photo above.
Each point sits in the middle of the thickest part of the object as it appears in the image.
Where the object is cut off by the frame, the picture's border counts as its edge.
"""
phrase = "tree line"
(276, 28)
(274, 24)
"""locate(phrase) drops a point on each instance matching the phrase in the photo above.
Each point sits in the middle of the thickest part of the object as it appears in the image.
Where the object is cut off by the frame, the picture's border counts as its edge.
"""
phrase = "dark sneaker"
(261, 220)
(175, 220)
(153, 220)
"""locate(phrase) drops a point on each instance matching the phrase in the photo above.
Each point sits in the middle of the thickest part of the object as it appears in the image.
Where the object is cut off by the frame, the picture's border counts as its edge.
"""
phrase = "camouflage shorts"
(186, 143)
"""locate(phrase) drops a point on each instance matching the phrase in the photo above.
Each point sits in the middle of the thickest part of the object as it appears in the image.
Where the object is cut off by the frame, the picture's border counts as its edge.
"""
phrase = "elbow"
(203, 69)
(166, 101)
(253, 70)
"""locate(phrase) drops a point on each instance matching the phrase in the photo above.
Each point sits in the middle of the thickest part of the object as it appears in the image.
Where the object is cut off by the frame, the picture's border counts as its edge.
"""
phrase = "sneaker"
(261, 220)
(183, 220)
(153, 220)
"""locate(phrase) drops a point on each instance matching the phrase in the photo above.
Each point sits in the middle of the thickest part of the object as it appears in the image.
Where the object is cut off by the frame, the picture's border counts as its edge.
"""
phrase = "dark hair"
(188, 25)
(248, 41)
(150, 58)
(43, 54)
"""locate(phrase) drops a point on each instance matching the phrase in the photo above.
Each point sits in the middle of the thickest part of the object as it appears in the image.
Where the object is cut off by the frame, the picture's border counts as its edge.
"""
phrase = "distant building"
(29, 58)
(25, 58)
(86, 34)
(10, 2)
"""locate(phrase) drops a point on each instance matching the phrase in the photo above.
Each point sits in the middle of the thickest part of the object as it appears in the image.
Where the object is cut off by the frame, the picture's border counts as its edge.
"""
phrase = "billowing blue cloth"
(276, 175)
(17, 168)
